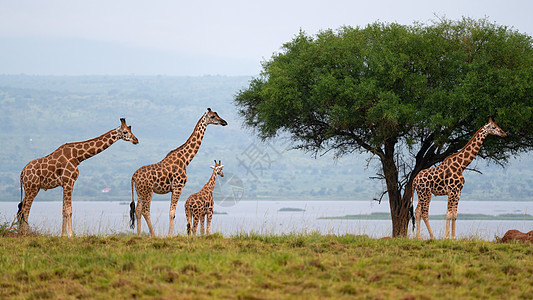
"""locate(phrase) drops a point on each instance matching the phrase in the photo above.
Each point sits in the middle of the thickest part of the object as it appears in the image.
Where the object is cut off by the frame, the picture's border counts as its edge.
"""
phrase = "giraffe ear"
(212, 167)
(221, 166)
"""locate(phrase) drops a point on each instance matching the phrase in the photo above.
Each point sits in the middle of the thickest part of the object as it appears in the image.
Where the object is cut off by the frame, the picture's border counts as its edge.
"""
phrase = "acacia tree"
(409, 95)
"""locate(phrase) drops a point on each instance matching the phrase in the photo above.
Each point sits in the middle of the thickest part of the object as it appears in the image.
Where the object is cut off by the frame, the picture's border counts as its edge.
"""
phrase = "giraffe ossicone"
(199, 206)
(167, 175)
(447, 179)
(60, 168)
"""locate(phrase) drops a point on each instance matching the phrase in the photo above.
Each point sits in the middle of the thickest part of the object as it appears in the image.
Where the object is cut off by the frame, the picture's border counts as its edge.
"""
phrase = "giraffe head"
(218, 168)
(492, 128)
(124, 132)
(213, 118)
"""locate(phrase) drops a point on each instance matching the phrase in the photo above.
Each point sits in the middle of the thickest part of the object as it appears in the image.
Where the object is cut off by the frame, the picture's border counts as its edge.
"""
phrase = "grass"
(7, 229)
(253, 266)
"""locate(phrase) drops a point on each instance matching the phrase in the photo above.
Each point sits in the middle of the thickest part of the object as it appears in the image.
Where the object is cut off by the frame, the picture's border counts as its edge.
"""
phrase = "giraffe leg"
(29, 195)
(196, 218)
(202, 221)
(425, 215)
(454, 217)
(422, 212)
(67, 211)
(418, 215)
(172, 213)
(139, 213)
(147, 201)
(149, 222)
(188, 217)
(449, 214)
(209, 217)
(426, 221)
(454, 213)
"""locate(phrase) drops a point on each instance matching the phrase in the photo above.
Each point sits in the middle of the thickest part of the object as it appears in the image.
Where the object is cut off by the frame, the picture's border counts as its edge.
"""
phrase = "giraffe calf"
(200, 204)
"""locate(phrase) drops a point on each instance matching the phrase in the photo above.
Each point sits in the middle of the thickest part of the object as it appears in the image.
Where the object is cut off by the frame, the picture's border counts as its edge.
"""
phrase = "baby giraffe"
(200, 204)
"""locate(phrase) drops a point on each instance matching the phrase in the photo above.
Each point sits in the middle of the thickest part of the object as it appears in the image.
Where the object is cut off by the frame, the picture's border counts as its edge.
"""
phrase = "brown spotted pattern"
(60, 168)
(447, 179)
(168, 175)
(200, 205)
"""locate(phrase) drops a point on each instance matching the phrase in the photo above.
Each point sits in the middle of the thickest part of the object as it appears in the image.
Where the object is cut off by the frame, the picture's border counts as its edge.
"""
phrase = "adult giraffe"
(168, 175)
(447, 179)
(60, 168)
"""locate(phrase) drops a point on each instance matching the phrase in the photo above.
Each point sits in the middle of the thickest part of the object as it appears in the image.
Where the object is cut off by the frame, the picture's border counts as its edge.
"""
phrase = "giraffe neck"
(188, 150)
(90, 148)
(210, 185)
(466, 155)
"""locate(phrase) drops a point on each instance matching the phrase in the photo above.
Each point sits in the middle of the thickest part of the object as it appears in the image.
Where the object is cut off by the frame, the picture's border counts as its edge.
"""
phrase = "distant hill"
(39, 113)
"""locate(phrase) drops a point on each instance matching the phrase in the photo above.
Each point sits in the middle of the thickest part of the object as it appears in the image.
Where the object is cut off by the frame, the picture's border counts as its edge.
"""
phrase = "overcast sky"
(224, 37)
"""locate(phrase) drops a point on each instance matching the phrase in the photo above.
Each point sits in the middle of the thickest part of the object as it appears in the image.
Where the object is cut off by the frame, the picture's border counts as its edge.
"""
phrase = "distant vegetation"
(386, 216)
(39, 113)
(290, 209)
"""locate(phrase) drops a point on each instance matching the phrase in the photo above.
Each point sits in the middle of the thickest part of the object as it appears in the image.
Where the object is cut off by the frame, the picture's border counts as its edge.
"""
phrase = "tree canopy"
(409, 94)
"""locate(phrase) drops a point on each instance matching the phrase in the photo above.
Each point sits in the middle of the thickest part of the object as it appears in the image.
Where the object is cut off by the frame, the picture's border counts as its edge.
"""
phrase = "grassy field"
(311, 266)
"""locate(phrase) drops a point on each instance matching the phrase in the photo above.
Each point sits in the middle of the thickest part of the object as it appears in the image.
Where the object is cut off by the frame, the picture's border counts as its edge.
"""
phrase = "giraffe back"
(160, 177)
(50, 171)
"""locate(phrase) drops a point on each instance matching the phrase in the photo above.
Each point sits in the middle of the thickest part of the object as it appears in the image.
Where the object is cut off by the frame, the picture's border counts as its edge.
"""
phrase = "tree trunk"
(400, 222)
(401, 214)
(399, 206)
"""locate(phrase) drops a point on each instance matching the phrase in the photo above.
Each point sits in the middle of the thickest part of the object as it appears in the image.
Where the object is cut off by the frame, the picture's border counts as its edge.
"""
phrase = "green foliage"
(258, 266)
(355, 88)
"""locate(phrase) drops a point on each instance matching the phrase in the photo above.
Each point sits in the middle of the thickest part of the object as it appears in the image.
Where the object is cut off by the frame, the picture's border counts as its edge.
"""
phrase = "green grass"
(8, 229)
(253, 266)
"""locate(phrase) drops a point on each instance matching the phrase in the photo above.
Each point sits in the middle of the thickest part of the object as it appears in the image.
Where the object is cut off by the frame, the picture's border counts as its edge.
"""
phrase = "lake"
(265, 217)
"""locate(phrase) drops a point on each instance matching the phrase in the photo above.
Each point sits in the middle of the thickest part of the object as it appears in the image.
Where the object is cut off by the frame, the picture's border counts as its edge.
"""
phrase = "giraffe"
(168, 175)
(447, 179)
(200, 204)
(60, 168)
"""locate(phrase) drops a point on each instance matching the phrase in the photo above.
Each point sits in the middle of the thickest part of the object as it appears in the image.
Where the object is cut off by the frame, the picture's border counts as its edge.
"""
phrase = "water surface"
(265, 217)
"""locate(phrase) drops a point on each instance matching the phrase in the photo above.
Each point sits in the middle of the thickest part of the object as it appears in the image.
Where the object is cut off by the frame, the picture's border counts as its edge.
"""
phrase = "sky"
(196, 38)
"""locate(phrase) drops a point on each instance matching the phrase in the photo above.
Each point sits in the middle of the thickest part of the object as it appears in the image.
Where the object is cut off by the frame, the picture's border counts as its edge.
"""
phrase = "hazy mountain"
(39, 113)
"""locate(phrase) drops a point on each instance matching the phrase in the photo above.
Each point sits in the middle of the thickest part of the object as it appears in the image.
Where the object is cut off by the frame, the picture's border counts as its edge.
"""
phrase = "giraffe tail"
(19, 212)
(188, 217)
(411, 211)
(132, 206)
